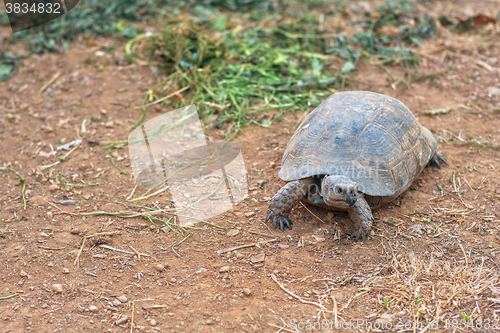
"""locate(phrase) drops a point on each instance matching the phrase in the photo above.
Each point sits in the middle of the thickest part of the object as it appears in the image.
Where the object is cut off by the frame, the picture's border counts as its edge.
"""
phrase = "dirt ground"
(433, 255)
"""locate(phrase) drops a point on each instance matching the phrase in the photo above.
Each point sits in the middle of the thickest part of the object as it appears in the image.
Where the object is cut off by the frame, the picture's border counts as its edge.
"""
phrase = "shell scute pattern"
(373, 139)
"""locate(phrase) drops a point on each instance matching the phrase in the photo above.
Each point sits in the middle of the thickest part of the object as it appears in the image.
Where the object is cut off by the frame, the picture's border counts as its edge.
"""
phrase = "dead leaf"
(481, 19)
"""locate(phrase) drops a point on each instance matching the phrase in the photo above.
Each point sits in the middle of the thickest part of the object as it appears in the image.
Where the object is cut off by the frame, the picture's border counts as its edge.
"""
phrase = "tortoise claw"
(360, 230)
(439, 157)
(437, 163)
(282, 203)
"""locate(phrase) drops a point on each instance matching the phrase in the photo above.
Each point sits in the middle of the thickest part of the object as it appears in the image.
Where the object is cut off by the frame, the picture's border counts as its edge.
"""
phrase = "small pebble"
(247, 291)
(160, 267)
(93, 308)
(249, 214)
(153, 322)
(58, 288)
(99, 255)
(258, 258)
(116, 302)
(121, 321)
(68, 202)
(224, 269)
(233, 232)
(122, 298)
(240, 255)
(109, 124)
(75, 231)
(53, 188)
(23, 274)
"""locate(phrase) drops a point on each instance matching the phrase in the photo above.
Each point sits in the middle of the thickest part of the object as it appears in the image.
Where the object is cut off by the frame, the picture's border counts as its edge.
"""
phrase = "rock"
(247, 291)
(258, 258)
(122, 298)
(75, 231)
(93, 308)
(224, 269)
(109, 124)
(160, 267)
(437, 254)
(99, 255)
(240, 255)
(58, 288)
(233, 232)
(53, 187)
(122, 320)
(385, 319)
(493, 91)
(116, 302)
(23, 274)
(152, 322)
(249, 214)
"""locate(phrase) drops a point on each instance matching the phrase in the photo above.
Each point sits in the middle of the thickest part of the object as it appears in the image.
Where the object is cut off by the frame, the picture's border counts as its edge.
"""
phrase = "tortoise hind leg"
(439, 156)
(361, 215)
(283, 202)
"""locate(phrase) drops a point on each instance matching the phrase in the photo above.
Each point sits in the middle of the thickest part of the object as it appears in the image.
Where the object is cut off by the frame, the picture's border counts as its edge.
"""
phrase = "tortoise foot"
(283, 202)
(361, 216)
(439, 156)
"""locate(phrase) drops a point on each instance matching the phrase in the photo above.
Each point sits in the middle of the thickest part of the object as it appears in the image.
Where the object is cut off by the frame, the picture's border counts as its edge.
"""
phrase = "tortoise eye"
(339, 190)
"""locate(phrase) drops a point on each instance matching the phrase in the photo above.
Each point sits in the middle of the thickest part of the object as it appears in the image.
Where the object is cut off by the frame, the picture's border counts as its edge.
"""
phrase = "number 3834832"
(40, 8)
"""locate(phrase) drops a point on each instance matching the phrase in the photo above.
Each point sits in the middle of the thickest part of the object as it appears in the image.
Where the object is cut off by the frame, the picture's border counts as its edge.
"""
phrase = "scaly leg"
(283, 202)
(361, 215)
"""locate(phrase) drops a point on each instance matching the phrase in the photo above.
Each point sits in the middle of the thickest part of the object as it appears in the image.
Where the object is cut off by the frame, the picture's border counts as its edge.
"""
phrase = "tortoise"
(356, 151)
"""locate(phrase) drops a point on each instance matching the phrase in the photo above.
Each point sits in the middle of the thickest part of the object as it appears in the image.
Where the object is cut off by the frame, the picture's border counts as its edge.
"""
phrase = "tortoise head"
(339, 191)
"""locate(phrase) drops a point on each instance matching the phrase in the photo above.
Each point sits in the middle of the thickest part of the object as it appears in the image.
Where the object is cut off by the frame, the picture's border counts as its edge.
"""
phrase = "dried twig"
(77, 260)
(106, 233)
(136, 252)
(275, 279)
(156, 306)
(49, 82)
(311, 212)
(123, 251)
(281, 328)
(245, 246)
(51, 248)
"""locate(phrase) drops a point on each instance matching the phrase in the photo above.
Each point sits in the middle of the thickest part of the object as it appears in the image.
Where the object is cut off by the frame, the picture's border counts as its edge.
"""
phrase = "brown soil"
(416, 259)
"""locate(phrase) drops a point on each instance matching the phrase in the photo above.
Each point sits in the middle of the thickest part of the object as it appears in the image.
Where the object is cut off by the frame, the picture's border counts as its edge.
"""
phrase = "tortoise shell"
(371, 138)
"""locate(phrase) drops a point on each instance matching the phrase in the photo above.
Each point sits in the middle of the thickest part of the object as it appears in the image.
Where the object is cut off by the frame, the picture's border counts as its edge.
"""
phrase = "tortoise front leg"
(361, 215)
(283, 202)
